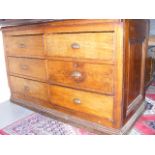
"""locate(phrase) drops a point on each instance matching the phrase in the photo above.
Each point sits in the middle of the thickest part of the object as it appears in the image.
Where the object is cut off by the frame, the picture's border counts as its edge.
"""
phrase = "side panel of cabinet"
(136, 38)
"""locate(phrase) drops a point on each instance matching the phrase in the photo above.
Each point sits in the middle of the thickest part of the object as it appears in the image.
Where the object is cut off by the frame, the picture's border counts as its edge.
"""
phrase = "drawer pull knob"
(77, 101)
(22, 45)
(75, 46)
(76, 74)
(26, 89)
(24, 67)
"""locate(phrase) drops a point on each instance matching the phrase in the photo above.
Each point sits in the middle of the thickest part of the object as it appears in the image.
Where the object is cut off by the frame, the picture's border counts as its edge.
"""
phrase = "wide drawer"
(81, 75)
(24, 46)
(80, 101)
(29, 88)
(27, 67)
(81, 45)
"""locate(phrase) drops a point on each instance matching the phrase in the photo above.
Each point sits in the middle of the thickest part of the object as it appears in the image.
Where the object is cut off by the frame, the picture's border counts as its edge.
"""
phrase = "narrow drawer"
(27, 67)
(24, 46)
(81, 45)
(29, 88)
(81, 75)
(80, 101)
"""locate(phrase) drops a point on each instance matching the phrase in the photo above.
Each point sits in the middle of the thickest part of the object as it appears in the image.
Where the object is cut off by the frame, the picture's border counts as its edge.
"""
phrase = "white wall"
(152, 27)
(4, 89)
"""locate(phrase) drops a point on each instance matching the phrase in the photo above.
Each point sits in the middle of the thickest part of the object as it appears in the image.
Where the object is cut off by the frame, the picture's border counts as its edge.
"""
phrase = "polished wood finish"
(91, 103)
(29, 88)
(27, 67)
(89, 69)
(81, 75)
(81, 45)
(134, 72)
(25, 45)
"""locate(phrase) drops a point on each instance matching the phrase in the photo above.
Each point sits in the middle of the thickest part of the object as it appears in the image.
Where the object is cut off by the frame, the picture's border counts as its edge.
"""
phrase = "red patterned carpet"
(37, 124)
(146, 123)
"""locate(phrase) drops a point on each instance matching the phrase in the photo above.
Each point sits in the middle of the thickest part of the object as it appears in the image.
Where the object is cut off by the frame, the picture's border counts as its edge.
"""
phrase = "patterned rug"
(37, 124)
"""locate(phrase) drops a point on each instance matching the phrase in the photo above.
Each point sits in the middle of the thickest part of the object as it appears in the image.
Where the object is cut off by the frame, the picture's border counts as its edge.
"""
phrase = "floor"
(11, 112)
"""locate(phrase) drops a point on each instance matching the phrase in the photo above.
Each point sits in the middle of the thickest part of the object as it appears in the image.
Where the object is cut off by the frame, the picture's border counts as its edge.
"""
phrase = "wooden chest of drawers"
(89, 73)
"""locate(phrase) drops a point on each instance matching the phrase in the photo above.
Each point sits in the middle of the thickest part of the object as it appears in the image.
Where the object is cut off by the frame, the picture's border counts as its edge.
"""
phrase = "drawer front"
(25, 46)
(79, 101)
(81, 45)
(27, 67)
(29, 88)
(87, 76)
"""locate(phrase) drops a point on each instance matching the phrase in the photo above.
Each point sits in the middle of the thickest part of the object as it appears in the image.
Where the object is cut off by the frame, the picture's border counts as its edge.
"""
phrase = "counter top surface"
(16, 22)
